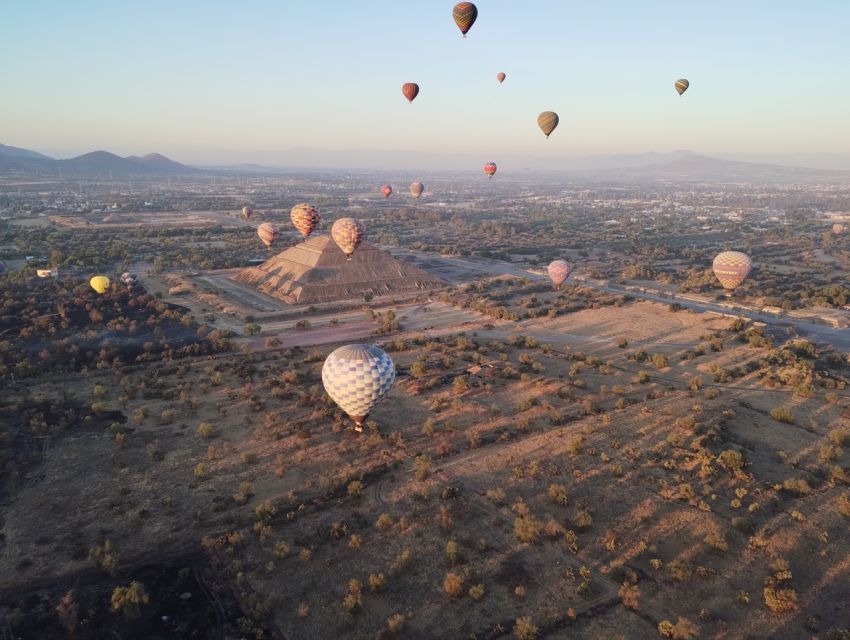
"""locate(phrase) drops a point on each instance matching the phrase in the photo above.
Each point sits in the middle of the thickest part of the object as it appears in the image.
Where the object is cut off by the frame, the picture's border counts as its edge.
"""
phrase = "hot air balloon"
(305, 218)
(416, 188)
(386, 190)
(501, 77)
(559, 271)
(547, 121)
(99, 283)
(837, 229)
(247, 212)
(410, 90)
(357, 377)
(348, 233)
(268, 234)
(490, 169)
(681, 85)
(464, 14)
(731, 268)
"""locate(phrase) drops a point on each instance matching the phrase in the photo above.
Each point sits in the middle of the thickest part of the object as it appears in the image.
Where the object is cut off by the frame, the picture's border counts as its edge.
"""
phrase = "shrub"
(525, 629)
(558, 494)
(377, 582)
(452, 552)
(780, 600)
(476, 592)
(526, 528)
(206, 430)
(782, 414)
(453, 584)
(383, 522)
(395, 622)
(129, 600)
(798, 486)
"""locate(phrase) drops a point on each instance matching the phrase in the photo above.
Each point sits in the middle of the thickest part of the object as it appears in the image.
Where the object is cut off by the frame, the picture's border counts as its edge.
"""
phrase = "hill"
(96, 163)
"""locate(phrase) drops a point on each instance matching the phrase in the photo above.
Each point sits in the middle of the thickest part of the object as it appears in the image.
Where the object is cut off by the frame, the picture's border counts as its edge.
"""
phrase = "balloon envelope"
(268, 233)
(410, 90)
(681, 85)
(305, 218)
(247, 212)
(464, 14)
(99, 283)
(732, 268)
(386, 190)
(416, 188)
(501, 77)
(837, 229)
(348, 233)
(490, 169)
(357, 377)
(547, 121)
(559, 271)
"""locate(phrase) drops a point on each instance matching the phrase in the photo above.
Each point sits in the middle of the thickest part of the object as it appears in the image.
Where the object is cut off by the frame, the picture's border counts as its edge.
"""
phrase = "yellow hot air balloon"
(99, 283)
(731, 268)
(681, 85)
(547, 121)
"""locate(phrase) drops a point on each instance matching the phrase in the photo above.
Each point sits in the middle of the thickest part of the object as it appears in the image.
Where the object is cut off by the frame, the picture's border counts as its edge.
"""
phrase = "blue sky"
(214, 81)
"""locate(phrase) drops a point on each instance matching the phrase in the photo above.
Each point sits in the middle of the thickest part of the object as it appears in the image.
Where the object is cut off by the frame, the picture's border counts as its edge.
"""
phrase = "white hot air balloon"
(357, 377)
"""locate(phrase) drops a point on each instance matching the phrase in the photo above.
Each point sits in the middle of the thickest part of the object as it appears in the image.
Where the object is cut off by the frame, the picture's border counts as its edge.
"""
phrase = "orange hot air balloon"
(559, 271)
(416, 188)
(348, 233)
(490, 169)
(268, 234)
(464, 14)
(681, 85)
(731, 268)
(501, 77)
(410, 90)
(386, 190)
(305, 218)
(547, 121)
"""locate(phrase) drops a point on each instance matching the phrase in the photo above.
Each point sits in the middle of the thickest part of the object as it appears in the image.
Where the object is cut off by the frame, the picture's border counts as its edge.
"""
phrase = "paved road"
(839, 338)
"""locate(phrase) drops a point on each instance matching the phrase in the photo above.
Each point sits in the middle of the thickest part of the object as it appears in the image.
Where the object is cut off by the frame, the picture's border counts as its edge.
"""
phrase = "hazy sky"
(209, 81)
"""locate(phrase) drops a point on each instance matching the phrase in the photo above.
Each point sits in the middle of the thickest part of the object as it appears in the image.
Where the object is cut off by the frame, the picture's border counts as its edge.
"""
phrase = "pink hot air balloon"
(490, 169)
(386, 191)
(559, 271)
(501, 77)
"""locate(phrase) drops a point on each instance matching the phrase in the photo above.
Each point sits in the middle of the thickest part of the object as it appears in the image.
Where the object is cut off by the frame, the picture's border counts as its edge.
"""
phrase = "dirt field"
(502, 479)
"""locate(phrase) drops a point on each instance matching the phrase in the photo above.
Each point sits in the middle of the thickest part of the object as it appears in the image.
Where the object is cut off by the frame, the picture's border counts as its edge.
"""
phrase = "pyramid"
(316, 270)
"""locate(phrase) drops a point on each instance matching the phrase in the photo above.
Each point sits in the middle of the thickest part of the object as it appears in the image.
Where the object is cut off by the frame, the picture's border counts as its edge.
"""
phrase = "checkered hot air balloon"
(559, 271)
(547, 121)
(490, 169)
(731, 268)
(357, 377)
(410, 90)
(268, 234)
(464, 14)
(305, 218)
(348, 233)
(681, 85)
(416, 189)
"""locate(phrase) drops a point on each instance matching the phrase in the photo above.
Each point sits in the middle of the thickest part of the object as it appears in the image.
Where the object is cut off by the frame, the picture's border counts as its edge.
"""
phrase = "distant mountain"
(691, 167)
(96, 163)
(17, 152)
